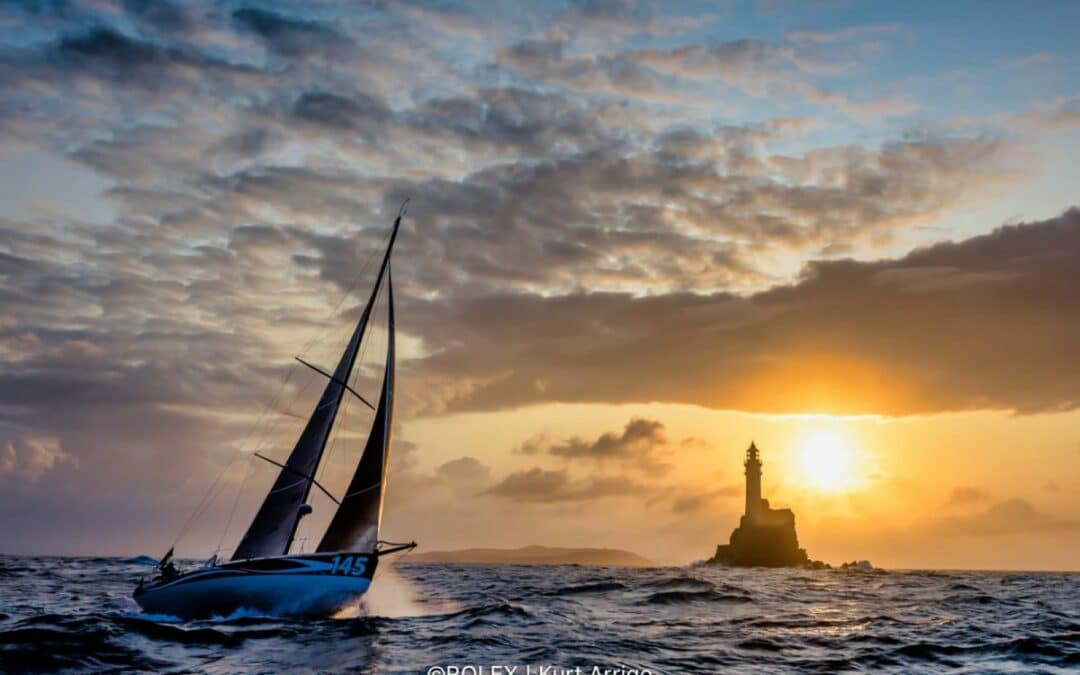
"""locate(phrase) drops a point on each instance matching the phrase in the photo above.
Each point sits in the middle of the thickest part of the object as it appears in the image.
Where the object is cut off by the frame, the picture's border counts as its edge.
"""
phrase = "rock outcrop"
(769, 541)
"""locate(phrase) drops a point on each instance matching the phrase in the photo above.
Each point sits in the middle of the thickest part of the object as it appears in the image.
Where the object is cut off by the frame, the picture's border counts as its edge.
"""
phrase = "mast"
(272, 530)
(355, 526)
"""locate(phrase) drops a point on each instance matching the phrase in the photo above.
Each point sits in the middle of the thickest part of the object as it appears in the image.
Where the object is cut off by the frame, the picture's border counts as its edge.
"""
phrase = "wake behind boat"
(262, 576)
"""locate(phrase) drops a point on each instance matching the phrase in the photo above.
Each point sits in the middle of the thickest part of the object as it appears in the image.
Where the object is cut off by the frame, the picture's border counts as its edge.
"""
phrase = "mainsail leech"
(272, 530)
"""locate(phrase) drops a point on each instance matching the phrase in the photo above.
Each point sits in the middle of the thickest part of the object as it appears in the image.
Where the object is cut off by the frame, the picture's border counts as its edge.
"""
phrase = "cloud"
(1013, 516)
(548, 486)
(464, 471)
(636, 447)
(548, 60)
(128, 61)
(1067, 116)
(965, 495)
(844, 34)
(985, 323)
(30, 458)
(629, 463)
(639, 437)
(162, 15)
(693, 502)
(286, 35)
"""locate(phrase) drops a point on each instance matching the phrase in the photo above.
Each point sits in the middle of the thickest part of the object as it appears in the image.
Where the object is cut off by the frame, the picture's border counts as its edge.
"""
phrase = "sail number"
(347, 565)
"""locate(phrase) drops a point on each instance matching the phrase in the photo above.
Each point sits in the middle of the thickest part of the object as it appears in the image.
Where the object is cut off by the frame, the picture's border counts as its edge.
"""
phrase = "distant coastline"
(533, 555)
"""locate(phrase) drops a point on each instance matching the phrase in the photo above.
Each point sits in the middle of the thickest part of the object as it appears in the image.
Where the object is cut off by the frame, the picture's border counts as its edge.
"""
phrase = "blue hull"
(319, 584)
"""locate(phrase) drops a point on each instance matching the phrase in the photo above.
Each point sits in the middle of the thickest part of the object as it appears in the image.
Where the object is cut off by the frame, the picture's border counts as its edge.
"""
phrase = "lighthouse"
(753, 484)
(765, 536)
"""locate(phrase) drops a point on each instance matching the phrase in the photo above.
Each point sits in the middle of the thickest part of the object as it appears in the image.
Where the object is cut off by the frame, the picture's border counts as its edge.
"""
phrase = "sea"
(76, 615)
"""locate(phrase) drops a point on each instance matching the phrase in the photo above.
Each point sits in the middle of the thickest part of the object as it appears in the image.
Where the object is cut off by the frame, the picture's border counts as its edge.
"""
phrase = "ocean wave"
(682, 597)
(594, 587)
(77, 616)
(682, 582)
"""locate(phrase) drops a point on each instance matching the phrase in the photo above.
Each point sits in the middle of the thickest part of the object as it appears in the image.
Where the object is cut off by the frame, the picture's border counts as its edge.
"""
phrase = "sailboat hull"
(318, 584)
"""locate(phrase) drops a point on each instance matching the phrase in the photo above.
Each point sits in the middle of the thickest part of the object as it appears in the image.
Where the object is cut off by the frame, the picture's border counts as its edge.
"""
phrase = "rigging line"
(211, 494)
(265, 413)
(268, 421)
(273, 423)
(202, 502)
(236, 502)
(356, 377)
(268, 424)
(339, 425)
(204, 508)
(372, 255)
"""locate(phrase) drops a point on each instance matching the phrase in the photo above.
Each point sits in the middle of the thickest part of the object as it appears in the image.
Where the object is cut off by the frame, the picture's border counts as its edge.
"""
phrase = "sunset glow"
(827, 462)
(640, 236)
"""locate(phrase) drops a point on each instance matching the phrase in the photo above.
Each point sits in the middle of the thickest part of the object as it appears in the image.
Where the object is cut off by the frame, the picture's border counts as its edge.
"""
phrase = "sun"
(826, 461)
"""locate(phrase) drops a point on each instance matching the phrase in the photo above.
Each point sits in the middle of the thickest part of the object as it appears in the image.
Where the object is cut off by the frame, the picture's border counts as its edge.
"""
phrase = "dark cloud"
(639, 446)
(286, 35)
(162, 15)
(108, 52)
(990, 322)
(362, 114)
(639, 437)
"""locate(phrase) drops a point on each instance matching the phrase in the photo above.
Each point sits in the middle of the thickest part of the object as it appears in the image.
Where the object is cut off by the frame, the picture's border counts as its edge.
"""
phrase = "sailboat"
(263, 576)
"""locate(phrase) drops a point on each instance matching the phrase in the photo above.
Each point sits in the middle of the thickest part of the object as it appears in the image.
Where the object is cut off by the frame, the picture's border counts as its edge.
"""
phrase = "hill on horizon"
(534, 555)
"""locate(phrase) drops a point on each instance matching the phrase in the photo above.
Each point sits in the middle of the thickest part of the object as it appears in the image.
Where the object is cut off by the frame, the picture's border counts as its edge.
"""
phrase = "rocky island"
(765, 536)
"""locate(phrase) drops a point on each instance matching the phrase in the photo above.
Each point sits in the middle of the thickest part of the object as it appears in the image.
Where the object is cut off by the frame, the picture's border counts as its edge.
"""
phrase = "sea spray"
(393, 596)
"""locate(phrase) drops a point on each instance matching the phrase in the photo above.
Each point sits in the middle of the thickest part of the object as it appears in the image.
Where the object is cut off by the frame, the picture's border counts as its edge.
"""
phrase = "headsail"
(272, 530)
(355, 526)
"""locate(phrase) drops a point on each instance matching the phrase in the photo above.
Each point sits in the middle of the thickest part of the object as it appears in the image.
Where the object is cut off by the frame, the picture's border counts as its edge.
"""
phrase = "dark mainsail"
(355, 526)
(272, 530)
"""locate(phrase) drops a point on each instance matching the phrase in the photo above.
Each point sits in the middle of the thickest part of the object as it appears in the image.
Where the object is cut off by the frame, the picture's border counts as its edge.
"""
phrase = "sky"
(640, 236)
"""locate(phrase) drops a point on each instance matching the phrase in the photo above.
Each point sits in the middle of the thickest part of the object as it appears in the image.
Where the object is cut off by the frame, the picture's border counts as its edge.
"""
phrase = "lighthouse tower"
(765, 536)
(753, 484)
